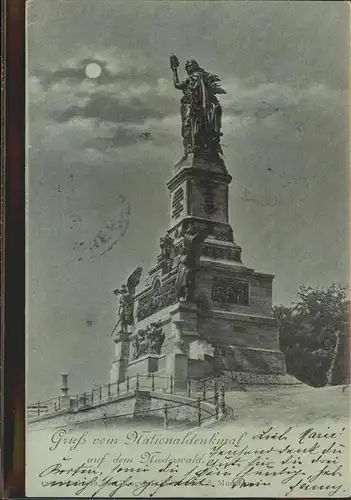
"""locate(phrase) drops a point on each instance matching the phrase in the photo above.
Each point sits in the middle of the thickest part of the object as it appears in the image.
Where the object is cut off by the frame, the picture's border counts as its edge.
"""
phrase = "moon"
(93, 70)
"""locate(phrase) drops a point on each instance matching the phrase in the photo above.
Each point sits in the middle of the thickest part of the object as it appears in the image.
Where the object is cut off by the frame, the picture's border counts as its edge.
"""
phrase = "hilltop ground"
(288, 405)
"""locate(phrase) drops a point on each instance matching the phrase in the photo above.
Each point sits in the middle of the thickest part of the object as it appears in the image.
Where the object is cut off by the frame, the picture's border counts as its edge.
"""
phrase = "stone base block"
(200, 368)
(118, 371)
(65, 402)
(177, 366)
(142, 405)
(244, 359)
(200, 349)
(143, 365)
(184, 326)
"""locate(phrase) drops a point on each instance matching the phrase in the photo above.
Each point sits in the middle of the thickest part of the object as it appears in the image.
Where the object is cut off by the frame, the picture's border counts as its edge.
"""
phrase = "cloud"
(124, 93)
(75, 75)
(113, 109)
(121, 137)
(116, 66)
(156, 132)
(264, 100)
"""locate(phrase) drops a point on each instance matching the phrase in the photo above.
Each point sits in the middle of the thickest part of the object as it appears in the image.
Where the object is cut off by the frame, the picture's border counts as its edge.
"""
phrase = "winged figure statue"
(125, 310)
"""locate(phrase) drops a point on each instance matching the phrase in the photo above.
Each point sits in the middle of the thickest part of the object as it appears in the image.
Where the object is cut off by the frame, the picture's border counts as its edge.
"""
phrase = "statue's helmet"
(191, 65)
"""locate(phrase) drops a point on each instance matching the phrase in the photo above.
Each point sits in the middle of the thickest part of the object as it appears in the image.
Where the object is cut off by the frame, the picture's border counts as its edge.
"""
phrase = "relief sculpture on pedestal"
(148, 340)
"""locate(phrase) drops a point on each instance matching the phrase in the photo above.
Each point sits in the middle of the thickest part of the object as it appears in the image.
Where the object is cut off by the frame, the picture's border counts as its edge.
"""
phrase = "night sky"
(104, 134)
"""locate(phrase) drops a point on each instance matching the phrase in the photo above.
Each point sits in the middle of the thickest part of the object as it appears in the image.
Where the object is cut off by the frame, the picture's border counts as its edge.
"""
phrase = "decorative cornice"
(248, 317)
(165, 280)
(228, 269)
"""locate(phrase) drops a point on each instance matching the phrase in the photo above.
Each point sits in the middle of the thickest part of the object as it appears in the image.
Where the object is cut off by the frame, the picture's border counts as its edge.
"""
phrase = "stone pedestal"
(64, 402)
(200, 349)
(184, 330)
(177, 367)
(64, 398)
(120, 363)
(144, 364)
(184, 318)
(229, 326)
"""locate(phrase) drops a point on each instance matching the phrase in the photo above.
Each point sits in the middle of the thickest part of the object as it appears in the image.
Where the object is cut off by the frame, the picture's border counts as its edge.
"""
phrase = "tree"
(314, 335)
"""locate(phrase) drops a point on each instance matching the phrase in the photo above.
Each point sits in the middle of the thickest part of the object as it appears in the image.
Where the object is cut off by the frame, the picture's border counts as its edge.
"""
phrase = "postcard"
(187, 249)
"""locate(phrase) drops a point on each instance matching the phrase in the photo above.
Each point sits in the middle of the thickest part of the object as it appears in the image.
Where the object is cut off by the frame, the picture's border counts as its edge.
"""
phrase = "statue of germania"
(201, 112)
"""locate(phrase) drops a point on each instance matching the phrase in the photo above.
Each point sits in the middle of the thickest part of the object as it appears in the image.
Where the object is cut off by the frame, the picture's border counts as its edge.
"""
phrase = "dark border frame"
(13, 248)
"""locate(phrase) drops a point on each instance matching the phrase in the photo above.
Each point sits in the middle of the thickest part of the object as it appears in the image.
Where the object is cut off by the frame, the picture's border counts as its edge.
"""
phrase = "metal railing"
(201, 390)
(44, 407)
(167, 412)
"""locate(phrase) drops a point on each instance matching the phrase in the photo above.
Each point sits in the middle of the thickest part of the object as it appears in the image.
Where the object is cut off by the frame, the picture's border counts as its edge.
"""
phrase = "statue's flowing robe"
(200, 111)
(189, 259)
(183, 271)
(187, 263)
(125, 310)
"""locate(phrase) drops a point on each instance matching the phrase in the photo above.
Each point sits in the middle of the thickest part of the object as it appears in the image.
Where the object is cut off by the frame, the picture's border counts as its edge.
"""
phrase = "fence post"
(204, 391)
(171, 384)
(109, 390)
(165, 415)
(59, 402)
(216, 388)
(222, 399)
(118, 387)
(137, 382)
(216, 398)
(189, 387)
(100, 393)
(92, 396)
(216, 404)
(38, 410)
(199, 412)
(127, 384)
(153, 382)
(77, 398)
(85, 398)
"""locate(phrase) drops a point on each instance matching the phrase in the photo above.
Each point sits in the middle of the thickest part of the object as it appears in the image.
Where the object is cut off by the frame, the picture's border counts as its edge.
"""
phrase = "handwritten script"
(232, 462)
